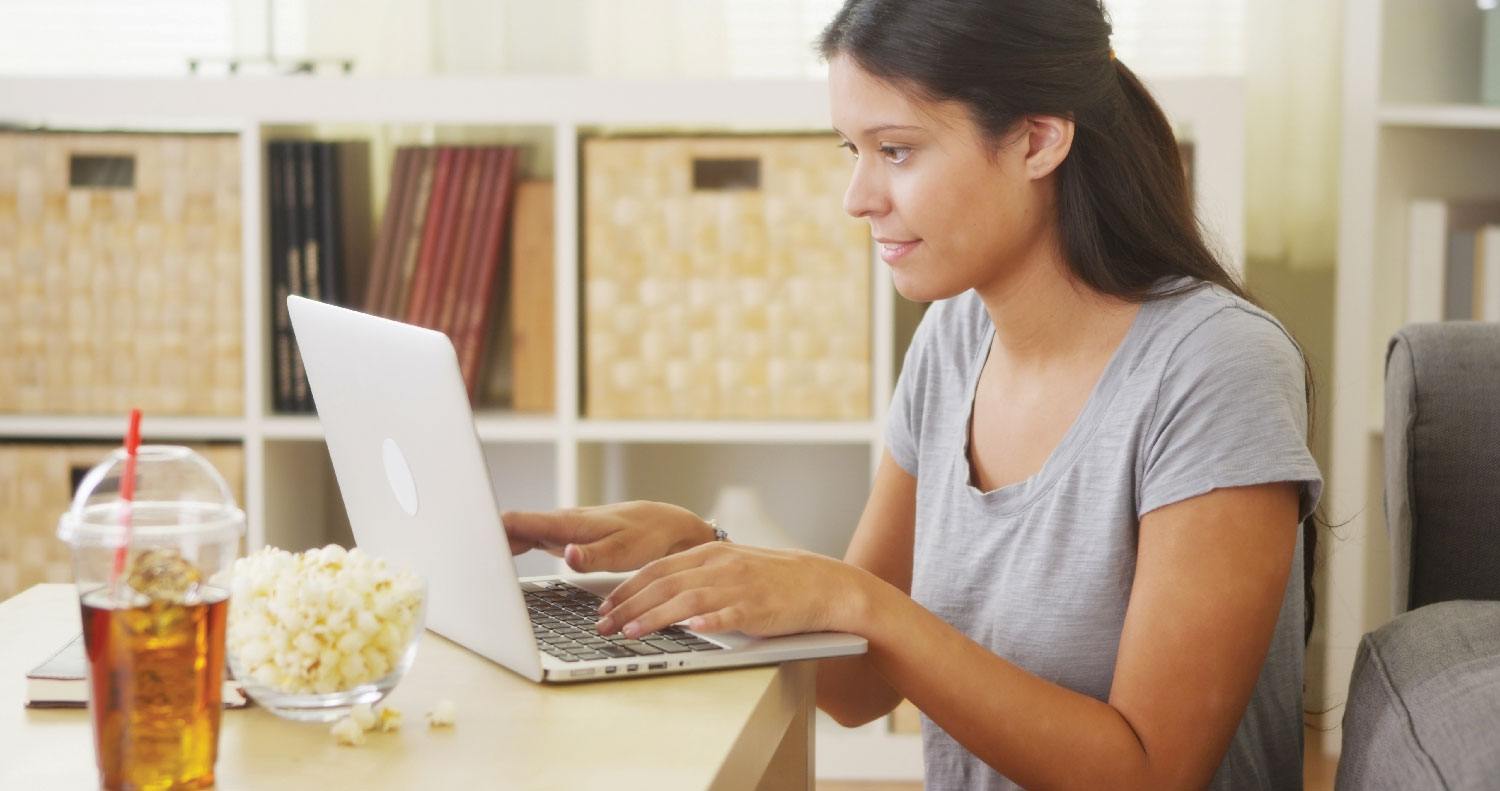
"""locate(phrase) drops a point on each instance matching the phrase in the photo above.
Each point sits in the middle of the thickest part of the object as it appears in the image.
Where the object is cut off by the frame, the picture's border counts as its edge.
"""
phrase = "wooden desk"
(727, 729)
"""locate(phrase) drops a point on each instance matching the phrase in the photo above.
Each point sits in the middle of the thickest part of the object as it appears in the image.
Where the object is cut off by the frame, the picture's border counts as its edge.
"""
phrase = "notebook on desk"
(418, 492)
(61, 681)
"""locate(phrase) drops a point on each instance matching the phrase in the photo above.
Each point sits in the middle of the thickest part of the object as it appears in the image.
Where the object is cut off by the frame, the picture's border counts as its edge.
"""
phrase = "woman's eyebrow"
(875, 130)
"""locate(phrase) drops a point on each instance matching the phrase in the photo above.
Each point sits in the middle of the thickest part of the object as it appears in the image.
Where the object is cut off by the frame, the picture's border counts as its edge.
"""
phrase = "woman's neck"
(1043, 317)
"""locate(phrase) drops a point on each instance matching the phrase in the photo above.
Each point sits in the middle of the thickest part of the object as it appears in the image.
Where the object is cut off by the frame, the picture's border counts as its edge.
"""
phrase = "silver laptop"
(418, 492)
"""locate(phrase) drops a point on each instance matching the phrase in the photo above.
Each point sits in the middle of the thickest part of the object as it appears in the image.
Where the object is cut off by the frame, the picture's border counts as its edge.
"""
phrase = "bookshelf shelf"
(1440, 116)
(111, 429)
(856, 432)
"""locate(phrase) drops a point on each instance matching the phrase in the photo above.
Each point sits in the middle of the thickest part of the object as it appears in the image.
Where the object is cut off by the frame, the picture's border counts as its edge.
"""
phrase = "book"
(1440, 256)
(454, 208)
(409, 234)
(309, 187)
(61, 681)
(384, 253)
(295, 245)
(348, 202)
(477, 180)
(1486, 296)
(437, 215)
(531, 298)
(479, 291)
(281, 346)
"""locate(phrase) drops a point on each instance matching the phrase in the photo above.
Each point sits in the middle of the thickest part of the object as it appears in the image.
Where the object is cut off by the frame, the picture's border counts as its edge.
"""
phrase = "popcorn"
(442, 715)
(348, 733)
(319, 622)
(389, 720)
(363, 715)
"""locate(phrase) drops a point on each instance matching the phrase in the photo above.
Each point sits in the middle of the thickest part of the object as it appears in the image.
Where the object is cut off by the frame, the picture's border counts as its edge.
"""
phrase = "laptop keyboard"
(563, 618)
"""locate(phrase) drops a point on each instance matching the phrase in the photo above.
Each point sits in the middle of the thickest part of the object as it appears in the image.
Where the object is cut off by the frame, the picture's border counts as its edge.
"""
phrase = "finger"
(614, 552)
(724, 620)
(650, 573)
(555, 529)
(693, 601)
(520, 545)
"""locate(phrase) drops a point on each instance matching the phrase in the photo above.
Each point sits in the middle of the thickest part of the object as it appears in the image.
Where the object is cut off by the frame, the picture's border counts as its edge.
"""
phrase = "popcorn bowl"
(312, 635)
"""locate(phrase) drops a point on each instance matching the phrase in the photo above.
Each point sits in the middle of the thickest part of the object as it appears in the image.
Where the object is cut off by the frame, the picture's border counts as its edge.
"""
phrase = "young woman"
(1081, 556)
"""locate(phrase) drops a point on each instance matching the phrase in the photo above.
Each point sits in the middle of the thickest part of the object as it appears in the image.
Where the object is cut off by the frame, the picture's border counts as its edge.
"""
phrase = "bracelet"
(720, 534)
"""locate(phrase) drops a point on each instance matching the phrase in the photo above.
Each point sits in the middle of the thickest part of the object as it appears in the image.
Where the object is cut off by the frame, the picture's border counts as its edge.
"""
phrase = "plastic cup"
(155, 634)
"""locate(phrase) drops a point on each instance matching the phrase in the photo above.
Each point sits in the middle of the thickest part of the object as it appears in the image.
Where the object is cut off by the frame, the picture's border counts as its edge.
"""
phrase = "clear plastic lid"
(177, 493)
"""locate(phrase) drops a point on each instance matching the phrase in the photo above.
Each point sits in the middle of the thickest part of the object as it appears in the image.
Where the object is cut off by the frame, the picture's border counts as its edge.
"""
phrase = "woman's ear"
(1048, 140)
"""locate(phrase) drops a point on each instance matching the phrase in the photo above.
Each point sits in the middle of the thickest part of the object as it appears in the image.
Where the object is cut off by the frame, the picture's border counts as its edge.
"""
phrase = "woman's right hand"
(616, 537)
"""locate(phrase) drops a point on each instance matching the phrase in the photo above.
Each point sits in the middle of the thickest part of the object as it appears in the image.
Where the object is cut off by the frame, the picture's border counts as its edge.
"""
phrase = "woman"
(1081, 557)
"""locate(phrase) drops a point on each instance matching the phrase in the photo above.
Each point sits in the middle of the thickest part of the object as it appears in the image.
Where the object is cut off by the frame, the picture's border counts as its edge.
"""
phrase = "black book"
(281, 335)
(330, 223)
(295, 244)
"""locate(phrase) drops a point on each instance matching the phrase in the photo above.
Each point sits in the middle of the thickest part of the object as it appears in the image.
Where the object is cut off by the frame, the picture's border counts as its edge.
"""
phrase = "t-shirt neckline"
(1018, 495)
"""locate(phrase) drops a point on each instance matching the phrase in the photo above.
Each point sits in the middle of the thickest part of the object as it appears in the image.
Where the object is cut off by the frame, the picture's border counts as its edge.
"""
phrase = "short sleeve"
(1231, 411)
(903, 424)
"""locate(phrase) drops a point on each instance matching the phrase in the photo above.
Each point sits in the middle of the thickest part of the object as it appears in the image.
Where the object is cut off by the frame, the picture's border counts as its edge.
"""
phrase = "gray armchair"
(1424, 700)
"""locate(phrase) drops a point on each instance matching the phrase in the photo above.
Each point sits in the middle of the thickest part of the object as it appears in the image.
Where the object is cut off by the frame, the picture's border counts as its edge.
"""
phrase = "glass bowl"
(286, 635)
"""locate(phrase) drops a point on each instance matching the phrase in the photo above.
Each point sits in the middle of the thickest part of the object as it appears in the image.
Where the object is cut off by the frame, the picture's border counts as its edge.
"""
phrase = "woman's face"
(949, 209)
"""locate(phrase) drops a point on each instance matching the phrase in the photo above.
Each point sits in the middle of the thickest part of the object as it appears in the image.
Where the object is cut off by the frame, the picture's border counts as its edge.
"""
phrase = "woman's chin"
(917, 289)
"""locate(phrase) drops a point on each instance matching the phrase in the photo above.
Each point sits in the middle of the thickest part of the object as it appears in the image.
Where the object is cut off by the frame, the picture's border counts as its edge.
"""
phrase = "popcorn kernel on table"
(363, 716)
(442, 715)
(388, 720)
(348, 733)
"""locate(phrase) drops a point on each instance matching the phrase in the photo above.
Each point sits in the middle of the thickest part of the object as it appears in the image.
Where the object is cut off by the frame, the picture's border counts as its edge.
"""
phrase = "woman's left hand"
(721, 587)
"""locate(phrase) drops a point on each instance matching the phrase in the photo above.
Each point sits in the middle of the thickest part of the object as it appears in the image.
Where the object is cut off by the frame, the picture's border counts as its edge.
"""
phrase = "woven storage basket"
(722, 279)
(125, 293)
(36, 486)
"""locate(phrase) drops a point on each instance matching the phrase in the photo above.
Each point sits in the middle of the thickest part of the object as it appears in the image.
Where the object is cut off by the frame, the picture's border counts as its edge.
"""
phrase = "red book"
(437, 211)
(480, 294)
(482, 172)
(462, 184)
(384, 254)
(408, 241)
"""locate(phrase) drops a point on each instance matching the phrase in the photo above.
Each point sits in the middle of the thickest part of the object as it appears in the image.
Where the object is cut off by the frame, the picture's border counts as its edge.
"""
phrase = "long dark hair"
(1125, 214)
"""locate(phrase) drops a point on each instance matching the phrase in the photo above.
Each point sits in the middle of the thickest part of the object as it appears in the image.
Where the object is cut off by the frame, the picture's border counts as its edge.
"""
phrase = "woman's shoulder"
(1194, 318)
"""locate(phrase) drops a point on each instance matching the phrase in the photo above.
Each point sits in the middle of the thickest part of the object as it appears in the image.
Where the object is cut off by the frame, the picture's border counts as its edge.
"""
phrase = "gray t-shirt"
(1206, 391)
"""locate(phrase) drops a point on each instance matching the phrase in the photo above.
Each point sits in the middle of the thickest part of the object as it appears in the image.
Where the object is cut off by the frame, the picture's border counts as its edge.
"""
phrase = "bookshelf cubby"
(1413, 128)
(813, 475)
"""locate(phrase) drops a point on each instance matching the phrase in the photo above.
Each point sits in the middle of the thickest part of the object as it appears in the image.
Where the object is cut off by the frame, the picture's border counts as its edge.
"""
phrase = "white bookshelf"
(1413, 128)
(813, 475)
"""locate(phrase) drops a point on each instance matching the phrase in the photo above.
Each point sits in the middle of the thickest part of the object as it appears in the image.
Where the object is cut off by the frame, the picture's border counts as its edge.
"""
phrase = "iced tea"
(156, 673)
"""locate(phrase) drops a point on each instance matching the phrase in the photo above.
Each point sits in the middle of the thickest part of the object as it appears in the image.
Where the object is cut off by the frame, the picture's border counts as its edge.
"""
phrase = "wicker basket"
(36, 486)
(124, 289)
(722, 279)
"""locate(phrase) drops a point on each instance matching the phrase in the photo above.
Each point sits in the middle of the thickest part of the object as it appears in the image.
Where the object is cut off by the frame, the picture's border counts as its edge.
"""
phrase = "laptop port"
(657, 666)
(632, 668)
(609, 670)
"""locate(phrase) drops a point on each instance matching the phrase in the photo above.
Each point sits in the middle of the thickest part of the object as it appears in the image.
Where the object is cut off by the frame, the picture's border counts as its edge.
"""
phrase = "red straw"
(127, 494)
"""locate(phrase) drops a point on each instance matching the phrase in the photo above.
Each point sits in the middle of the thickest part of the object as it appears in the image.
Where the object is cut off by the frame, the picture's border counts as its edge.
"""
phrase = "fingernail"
(632, 630)
(606, 625)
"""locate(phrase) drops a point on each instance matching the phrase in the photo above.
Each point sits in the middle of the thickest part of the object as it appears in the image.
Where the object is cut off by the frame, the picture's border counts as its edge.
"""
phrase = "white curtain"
(1292, 81)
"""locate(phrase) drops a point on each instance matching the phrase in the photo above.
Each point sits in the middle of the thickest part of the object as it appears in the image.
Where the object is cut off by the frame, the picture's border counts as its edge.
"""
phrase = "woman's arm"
(851, 690)
(1211, 573)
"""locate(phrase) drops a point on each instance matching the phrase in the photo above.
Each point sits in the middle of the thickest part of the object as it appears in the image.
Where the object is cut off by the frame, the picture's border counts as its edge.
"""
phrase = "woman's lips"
(890, 252)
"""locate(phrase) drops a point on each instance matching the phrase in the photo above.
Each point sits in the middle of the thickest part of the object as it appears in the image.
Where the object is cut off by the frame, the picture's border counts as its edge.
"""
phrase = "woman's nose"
(865, 195)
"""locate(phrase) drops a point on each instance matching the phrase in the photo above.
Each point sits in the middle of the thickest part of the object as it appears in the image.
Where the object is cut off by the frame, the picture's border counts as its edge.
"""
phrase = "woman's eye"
(895, 154)
(850, 146)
